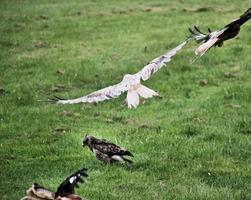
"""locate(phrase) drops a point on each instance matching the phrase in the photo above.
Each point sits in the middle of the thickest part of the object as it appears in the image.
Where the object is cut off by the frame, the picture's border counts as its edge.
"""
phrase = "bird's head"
(86, 140)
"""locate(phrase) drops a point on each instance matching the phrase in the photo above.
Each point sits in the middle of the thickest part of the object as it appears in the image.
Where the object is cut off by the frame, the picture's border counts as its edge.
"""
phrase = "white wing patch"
(72, 179)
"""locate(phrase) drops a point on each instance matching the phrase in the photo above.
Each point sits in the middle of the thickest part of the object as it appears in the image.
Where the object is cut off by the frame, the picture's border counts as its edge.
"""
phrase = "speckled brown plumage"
(106, 151)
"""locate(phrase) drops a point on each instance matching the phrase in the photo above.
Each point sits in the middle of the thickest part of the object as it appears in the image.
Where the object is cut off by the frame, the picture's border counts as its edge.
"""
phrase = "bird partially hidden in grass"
(130, 84)
(106, 151)
(65, 191)
(217, 38)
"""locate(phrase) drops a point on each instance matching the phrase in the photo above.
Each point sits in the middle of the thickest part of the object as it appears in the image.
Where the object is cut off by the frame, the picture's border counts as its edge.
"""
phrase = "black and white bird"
(65, 191)
(106, 151)
(130, 84)
(217, 38)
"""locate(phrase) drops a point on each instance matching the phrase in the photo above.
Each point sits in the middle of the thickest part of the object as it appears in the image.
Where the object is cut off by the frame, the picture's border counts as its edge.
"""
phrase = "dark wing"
(110, 148)
(68, 185)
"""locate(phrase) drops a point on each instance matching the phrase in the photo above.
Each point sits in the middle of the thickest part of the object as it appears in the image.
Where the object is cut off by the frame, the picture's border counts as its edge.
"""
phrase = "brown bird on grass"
(65, 191)
(217, 38)
(106, 151)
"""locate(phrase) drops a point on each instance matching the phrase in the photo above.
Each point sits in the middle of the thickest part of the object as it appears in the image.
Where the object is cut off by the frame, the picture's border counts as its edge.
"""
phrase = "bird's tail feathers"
(134, 94)
(128, 153)
(146, 92)
(132, 99)
(247, 14)
(127, 160)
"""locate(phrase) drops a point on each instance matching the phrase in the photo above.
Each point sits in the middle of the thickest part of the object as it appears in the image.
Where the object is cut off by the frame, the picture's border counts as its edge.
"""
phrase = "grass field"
(193, 143)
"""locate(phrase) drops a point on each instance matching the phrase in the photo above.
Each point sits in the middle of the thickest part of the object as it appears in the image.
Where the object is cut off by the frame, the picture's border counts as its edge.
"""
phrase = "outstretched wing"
(110, 148)
(97, 96)
(207, 40)
(158, 63)
(68, 185)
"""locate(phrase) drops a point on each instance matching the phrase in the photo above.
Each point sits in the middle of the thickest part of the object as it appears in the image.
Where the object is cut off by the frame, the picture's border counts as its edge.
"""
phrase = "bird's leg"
(220, 44)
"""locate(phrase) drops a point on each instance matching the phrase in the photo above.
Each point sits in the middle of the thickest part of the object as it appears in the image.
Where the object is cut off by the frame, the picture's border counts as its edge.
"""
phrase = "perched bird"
(65, 191)
(130, 84)
(217, 38)
(106, 151)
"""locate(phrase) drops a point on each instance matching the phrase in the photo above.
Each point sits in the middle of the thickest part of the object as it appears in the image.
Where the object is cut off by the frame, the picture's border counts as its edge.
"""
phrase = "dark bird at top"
(65, 190)
(217, 38)
(106, 151)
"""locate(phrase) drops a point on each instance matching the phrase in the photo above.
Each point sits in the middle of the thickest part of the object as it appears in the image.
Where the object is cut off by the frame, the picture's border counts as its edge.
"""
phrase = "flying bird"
(217, 38)
(130, 84)
(106, 151)
(65, 190)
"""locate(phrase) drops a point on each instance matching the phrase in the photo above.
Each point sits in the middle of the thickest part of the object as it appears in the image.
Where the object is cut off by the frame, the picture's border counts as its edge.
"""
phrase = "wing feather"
(158, 63)
(101, 95)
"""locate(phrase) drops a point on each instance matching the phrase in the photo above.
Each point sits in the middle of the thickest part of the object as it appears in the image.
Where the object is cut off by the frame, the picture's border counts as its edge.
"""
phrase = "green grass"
(190, 144)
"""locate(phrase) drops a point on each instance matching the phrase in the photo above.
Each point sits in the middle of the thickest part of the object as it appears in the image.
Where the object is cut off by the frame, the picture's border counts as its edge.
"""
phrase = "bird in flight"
(106, 151)
(217, 38)
(65, 190)
(130, 84)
